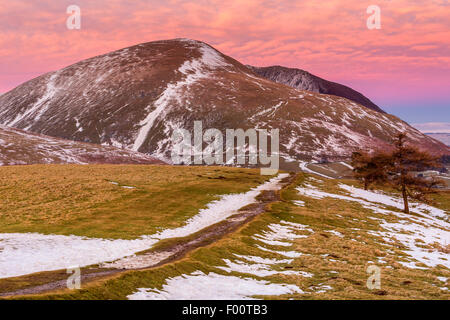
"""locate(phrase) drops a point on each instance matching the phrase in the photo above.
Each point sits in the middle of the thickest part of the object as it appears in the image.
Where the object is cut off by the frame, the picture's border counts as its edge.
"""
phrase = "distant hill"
(304, 80)
(443, 137)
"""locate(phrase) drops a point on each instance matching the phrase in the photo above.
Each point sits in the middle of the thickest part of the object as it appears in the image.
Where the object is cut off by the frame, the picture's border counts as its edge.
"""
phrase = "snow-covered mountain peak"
(136, 97)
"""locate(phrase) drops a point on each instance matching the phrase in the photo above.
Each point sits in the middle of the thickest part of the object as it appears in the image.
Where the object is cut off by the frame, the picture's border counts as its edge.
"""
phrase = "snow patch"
(420, 208)
(304, 167)
(201, 286)
(415, 233)
(279, 233)
(27, 253)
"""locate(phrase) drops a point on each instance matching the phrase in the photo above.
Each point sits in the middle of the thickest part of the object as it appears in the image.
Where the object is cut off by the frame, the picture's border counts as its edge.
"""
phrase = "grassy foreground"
(95, 200)
(338, 264)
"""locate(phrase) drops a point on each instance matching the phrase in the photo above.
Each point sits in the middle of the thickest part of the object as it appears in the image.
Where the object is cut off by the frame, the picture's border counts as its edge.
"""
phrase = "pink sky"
(406, 62)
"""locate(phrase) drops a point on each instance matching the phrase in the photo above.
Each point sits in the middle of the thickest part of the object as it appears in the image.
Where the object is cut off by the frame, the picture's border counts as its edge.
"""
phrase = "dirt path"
(168, 251)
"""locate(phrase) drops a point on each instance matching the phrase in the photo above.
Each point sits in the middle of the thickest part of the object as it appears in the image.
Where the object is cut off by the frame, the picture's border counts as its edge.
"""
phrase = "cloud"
(407, 58)
(433, 127)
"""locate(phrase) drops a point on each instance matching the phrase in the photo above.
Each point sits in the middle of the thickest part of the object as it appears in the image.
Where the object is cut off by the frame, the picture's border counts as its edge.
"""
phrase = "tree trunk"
(405, 199)
(366, 184)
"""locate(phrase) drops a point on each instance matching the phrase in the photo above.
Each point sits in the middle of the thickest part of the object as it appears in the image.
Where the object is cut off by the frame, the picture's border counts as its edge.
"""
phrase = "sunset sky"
(404, 67)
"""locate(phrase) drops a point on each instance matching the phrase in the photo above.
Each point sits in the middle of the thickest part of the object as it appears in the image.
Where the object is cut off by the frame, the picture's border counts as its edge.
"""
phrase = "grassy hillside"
(336, 240)
(111, 201)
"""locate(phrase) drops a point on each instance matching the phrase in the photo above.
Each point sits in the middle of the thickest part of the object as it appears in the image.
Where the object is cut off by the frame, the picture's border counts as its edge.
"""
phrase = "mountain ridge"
(136, 97)
(304, 80)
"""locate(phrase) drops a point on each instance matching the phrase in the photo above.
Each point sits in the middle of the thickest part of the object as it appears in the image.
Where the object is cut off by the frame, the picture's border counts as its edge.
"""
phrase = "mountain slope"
(20, 147)
(137, 96)
(304, 80)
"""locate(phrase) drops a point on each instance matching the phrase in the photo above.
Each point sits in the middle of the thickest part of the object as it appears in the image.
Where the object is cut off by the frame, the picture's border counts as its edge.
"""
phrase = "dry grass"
(81, 200)
(338, 262)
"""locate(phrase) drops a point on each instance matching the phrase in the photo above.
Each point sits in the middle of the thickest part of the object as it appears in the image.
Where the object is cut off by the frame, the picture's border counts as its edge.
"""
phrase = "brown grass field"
(81, 200)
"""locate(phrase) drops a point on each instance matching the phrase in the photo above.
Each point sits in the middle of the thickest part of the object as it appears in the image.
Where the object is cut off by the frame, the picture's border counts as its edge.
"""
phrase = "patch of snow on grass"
(321, 288)
(408, 232)
(30, 252)
(346, 165)
(261, 267)
(27, 253)
(315, 180)
(419, 235)
(395, 202)
(256, 269)
(311, 191)
(288, 254)
(299, 203)
(118, 184)
(201, 286)
(263, 260)
(279, 233)
(304, 167)
(336, 233)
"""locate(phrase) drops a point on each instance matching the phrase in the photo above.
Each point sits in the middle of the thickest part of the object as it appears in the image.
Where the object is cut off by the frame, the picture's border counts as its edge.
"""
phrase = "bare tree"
(402, 163)
(398, 168)
(369, 168)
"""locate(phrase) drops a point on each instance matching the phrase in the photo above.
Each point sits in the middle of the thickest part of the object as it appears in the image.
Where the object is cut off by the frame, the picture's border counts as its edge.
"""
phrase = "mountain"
(443, 137)
(136, 97)
(304, 80)
(20, 147)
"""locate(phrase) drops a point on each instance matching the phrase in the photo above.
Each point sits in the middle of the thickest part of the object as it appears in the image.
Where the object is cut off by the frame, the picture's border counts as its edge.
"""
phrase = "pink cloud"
(327, 38)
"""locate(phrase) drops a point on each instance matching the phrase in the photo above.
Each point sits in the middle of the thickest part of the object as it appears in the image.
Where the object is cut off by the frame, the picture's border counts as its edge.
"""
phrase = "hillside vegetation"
(111, 201)
(316, 242)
